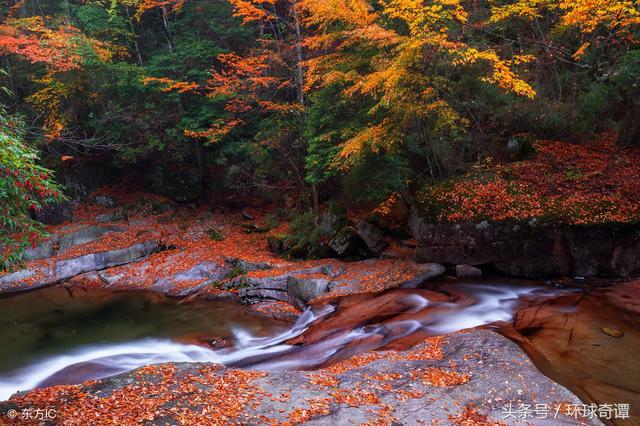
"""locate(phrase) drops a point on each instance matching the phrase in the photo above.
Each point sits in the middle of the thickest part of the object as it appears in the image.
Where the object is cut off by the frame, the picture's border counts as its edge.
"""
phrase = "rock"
(247, 215)
(332, 221)
(468, 271)
(427, 271)
(47, 249)
(280, 311)
(372, 237)
(57, 243)
(105, 201)
(325, 251)
(532, 250)
(346, 241)
(613, 332)
(68, 268)
(115, 216)
(307, 289)
(55, 214)
(203, 273)
(391, 215)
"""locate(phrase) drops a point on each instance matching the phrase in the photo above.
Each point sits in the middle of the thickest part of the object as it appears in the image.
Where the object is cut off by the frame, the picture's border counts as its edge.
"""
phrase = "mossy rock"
(346, 242)
(215, 234)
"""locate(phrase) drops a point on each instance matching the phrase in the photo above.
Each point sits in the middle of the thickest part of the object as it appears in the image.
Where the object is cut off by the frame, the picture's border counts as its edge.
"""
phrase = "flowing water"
(67, 335)
(62, 335)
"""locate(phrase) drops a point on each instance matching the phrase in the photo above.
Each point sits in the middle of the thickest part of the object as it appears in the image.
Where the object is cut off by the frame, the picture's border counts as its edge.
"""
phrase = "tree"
(264, 83)
(595, 39)
(403, 59)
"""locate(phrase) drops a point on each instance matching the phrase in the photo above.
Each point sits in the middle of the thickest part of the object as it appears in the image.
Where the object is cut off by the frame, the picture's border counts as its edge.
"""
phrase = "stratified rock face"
(530, 250)
(56, 243)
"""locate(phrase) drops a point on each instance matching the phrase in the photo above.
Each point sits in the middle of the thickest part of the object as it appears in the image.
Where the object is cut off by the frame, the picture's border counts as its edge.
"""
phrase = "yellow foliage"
(397, 76)
(613, 16)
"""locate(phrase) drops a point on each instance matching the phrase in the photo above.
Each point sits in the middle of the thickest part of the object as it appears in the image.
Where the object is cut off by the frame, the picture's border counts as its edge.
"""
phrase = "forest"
(309, 162)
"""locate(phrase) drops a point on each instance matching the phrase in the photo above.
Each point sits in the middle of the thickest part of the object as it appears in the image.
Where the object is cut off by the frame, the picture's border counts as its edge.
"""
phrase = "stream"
(62, 335)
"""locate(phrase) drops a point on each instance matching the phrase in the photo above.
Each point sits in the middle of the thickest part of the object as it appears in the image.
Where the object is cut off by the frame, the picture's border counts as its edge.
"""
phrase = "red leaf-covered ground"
(587, 183)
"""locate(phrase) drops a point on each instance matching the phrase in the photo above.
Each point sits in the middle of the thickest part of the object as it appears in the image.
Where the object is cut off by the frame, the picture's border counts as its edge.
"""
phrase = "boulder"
(68, 268)
(55, 214)
(372, 237)
(332, 221)
(307, 289)
(346, 242)
(468, 271)
(105, 201)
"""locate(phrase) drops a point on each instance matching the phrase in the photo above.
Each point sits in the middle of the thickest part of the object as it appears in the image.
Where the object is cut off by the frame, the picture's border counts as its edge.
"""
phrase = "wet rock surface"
(588, 342)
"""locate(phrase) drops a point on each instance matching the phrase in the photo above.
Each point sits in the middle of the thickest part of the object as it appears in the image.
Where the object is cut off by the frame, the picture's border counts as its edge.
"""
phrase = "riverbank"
(145, 242)
(195, 254)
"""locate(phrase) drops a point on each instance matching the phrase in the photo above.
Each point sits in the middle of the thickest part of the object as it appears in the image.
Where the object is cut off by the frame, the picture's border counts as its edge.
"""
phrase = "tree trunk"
(629, 134)
(299, 57)
(135, 36)
(166, 33)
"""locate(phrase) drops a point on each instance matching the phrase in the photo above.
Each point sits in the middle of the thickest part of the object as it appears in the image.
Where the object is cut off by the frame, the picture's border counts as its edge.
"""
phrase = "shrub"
(24, 186)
